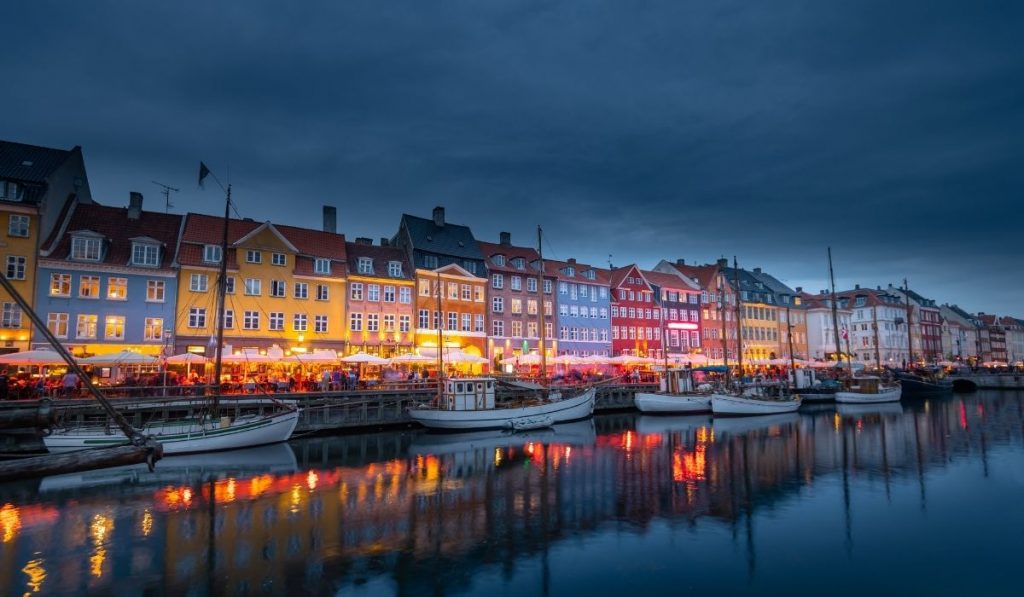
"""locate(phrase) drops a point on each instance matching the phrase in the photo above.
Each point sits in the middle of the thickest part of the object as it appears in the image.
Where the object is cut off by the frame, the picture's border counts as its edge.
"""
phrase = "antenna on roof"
(167, 194)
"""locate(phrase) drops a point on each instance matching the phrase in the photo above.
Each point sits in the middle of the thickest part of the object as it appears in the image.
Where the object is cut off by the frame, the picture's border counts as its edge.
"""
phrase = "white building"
(960, 340)
(878, 330)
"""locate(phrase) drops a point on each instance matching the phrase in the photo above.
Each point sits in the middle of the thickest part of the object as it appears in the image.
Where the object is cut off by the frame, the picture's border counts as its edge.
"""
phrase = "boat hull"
(887, 395)
(817, 396)
(724, 404)
(190, 438)
(569, 409)
(913, 388)
(671, 403)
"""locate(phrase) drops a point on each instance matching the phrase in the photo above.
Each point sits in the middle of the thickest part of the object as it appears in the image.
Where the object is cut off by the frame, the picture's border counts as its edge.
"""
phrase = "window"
(278, 288)
(389, 294)
(355, 291)
(516, 282)
(278, 259)
(85, 249)
(395, 269)
(517, 328)
(547, 309)
(211, 253)
(113, 327)
(497, 281)
(453, 321)
(17, 225)
(531, 284)
(389, 323)
(320, 324)
(531, 307)
(430, 261)
(423, 321)
(253, 256)
(519, 263)
(479, 324)
(253, 286)
(16, 267)
(229, 285)
(155, 291)
(364, 265)
(60, 284)
(470, 266)
(372, 322)
(301, 290)
(531, 329)
(355, 322)
(453, 291)
(322, 292)
(405, 295)
(478, 293)
(299, 322)
(198, 282)
(275, 321)
(604, 313)
(153, 330)
(57, 323)
(563, 333)
(251, 320)
(196, 317)
(145, 254)
(547, 286)
(467, 292)
(517, 306)
(403, 323)
(86, 326)
(563, 288)
(466, 321)
(117, 289)
(89, 287)
(498, 260)
(373, 292)
(229, 319)
(497, 327)
(11, 316)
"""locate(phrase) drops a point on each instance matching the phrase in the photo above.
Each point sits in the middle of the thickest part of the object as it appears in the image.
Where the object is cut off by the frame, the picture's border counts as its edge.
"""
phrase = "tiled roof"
(530, 256)
(554, 267)
(204, 229)
(114, 224)
(380, 256)
(620, 273)
(451, 239)
(29, 163)
(704, 274)
(663, 280)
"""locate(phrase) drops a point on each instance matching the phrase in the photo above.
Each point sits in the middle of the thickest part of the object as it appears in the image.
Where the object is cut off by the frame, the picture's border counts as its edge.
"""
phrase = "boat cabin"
(468, 393)
(865, 385)
(677, 381)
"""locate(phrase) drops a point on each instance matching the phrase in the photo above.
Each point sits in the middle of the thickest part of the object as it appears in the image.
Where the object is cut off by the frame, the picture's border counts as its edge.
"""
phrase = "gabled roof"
(619, 274)
(530, 256)
(273, 229)
(202, 229)
(453, 240)
(663, 280)
(29, 163)
(703, 274)
(553, 267)
(455, 270)
(380, 257)
(118, 231)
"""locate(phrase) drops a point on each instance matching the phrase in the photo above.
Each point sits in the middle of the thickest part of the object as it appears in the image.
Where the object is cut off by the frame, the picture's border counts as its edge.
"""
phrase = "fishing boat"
(923, 384)
(208, 432)
(747, 404)
(468, 403)
(868, 390)
(677, 395)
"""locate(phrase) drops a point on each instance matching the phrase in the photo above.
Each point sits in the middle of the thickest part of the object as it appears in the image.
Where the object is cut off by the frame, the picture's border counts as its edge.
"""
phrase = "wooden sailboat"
(205, 433)
(468, 403)
(678, 394)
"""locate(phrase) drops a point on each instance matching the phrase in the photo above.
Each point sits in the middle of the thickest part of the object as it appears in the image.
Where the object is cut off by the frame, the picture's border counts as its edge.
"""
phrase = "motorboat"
(676, 396)
(752, 403)
(468, 403)
(923, 383)
(868, 390)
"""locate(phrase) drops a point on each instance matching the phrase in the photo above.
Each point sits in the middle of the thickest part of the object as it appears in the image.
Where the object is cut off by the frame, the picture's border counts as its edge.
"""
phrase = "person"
(69, 383)
(4, 389)
(336, 380)
(325, 380)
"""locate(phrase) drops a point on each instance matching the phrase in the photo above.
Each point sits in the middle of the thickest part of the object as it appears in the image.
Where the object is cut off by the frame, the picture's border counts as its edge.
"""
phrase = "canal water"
(924, 497)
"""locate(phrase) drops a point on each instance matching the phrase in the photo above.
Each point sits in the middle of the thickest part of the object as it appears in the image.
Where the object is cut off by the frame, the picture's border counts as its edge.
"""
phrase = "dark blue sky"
(642, 129)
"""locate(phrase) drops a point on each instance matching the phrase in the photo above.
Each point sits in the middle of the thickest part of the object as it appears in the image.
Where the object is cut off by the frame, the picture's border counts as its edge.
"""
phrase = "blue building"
(106, 279)
(582, 299)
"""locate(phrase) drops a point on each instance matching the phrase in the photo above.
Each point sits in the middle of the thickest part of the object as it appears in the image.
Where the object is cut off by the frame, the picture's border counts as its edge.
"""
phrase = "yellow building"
(19, 246)
(285, 287)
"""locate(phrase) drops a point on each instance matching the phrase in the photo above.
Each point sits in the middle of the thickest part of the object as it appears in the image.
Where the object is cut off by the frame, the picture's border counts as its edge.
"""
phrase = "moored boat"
(736, 405)
(918, 385)
(676, 396)
(868, 390)
(468, 403)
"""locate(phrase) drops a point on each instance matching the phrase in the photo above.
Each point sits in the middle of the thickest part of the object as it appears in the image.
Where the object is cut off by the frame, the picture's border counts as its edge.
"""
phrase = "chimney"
(362, 240)
(330, 219)
(680, 262)
(439, 216)
(134, 205)
(723, 262)
(757, 270)
(504, 238)
(879, 286)
(571, 260)
(799, 289)
(384, 242)
(856, 286)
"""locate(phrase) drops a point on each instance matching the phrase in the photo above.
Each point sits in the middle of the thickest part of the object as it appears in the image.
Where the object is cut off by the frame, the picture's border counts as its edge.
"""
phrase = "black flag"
(203, 172)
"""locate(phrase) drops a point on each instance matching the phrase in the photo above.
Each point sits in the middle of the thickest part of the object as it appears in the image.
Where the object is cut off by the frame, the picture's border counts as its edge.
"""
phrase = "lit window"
(155, 291)
(154, 329)
(89, 287)
(60, 284)
(117, 289)
(57, 323)
(113, 328)
(86, 327)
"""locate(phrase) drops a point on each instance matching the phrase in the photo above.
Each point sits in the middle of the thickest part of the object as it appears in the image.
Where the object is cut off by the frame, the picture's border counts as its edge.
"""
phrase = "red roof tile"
(554, 268)
(668, 280)
(114, 224)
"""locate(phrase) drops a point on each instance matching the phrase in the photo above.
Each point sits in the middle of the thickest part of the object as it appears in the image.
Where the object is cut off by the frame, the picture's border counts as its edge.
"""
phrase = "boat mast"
(739, 316)
(725, 329)
(835, 311)
(222, 284)
(874, 324)
(910, 318)
(540, 308)
(789, 334)
(440, 338)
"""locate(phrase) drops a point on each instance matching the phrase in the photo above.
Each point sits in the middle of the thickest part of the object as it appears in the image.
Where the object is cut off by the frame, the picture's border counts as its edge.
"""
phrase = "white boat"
(869, 390)
(734, 405)
(186, 436)
(468, 403)
(676, 396)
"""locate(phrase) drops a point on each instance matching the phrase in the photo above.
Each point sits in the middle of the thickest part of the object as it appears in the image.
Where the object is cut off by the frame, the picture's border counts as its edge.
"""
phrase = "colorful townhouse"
(758, 316)
(959, 334)
(792, 316)
(36, 185)
(583, 306)
(379, 301)
(106, 280)
(821, 333)
(925, 324)
(878, 319)
(1014, 329)
(993, 339)
(717, 306)
(515, 300)
(678, 297)
(451, 286)
(285, 287)
(636, 321)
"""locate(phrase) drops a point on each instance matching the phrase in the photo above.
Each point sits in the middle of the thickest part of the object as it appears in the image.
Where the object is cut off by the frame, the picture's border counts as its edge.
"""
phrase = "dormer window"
(322, 266)
(146, 254)
(519, 263)
(211, 253)
(11, 191)
(498, 260)
(590, 275)
(395, 269)
(860, 302)
(84, 248)
(253, 256)
(571, 272)
(364, 265)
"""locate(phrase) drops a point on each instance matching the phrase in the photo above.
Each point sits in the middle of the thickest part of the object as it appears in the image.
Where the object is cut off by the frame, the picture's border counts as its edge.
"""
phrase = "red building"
(679, 300)
(715, 323)
(636, 321)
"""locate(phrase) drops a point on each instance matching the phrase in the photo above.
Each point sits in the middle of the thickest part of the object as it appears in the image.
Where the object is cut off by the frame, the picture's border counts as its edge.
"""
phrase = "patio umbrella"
(42, 356)
(525, 359)
(410, 358)
(317, 357)
(124, 357)
(247, 357)
(362, 358)
(188, 359)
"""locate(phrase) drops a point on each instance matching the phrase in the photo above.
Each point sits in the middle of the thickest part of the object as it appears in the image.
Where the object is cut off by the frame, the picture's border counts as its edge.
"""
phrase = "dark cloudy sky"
(642, 129)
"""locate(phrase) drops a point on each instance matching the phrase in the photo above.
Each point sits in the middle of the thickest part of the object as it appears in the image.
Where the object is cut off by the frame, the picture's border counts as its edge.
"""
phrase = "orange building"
(451, 299)
(379, 299)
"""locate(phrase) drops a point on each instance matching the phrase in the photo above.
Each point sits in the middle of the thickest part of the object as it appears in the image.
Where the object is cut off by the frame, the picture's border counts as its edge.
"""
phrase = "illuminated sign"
(682, 326)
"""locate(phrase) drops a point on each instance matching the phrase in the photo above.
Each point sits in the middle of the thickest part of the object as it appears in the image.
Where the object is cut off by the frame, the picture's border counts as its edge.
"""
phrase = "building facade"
(1014, 329)
(821, 336)
(959, 335)
(717, 303)
(285, 287)
(678, 297)
(583, 306)
(379, 300)
(635, 317)
(106, 279)
(450, 311)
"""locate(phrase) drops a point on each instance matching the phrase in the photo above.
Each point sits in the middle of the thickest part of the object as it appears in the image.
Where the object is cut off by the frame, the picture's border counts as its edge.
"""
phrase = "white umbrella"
(124, 357)
(525, 359)
(188, 358)
(42, 356)
(410, 359)
(313, 358)
(247, 357)
(568, 359)
(364, 359)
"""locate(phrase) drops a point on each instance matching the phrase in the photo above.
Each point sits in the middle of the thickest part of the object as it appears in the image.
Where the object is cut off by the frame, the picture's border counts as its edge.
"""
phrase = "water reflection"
(413, 512)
